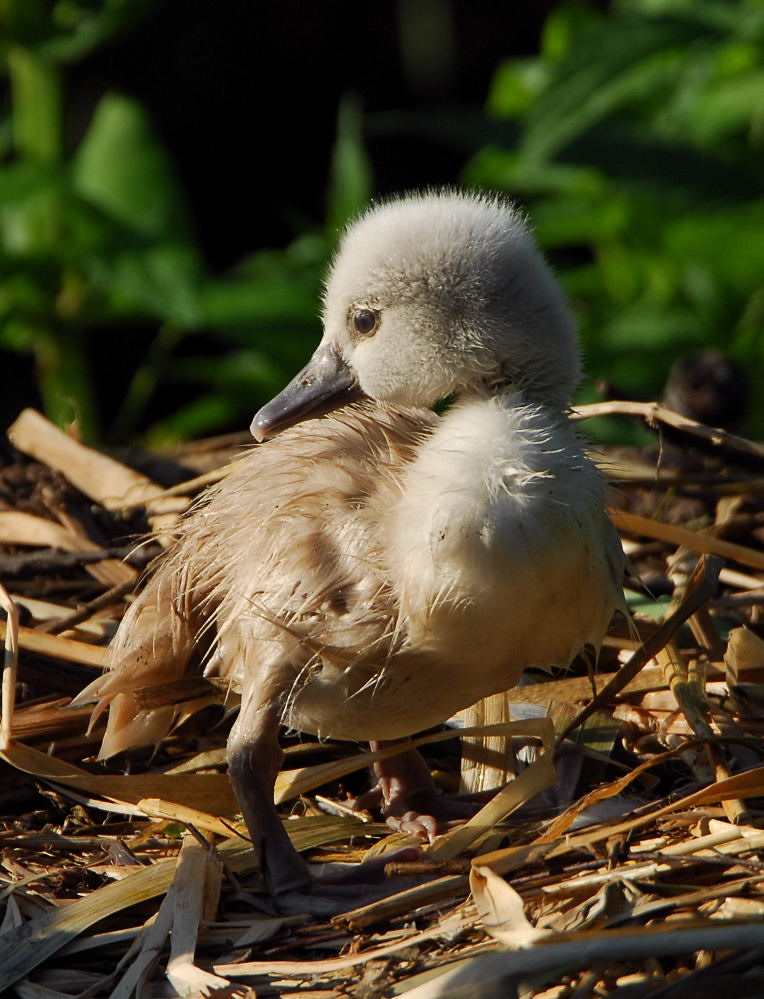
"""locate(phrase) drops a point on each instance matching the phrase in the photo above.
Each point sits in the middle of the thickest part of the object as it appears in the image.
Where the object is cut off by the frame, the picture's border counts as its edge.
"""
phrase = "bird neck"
(485, 440)
(510, 394)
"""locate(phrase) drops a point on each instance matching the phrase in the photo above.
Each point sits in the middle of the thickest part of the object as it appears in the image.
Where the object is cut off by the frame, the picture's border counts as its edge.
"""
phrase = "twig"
(194, 485)
(700, 588)
(56, 560)
(654, 415)
(111, 596)
(690, 484)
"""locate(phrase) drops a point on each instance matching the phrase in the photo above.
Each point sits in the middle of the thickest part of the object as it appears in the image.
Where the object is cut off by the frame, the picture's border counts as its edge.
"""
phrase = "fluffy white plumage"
(368, 574)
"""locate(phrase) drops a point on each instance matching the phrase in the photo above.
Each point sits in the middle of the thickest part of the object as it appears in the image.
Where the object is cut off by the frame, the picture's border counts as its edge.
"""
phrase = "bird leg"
(254, 759)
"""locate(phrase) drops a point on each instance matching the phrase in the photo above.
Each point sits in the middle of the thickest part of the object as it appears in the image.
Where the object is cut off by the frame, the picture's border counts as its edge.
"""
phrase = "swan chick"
(366, 574)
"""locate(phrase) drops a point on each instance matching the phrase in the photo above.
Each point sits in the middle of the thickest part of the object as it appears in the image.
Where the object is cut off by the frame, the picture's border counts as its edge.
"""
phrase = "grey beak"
(325, 383)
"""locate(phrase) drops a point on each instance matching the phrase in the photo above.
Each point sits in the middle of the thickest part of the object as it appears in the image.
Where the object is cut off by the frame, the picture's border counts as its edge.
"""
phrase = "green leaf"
(30, 199)
(746, 343)
(24, 296)
(656, 607)
(64, 377)
(36, 89)
(20, 180)
(242, 303)
(15, 335)
(351, 182)
(207, 413)
(516, 86)
(507, 170)
(160, 281)
(639, 156)
(80, 27)
(564, 27)
(65, 30)
(731, 107)
(25, 21)
(643, 328)
(255, 372)
(122, 168)
(578, 221)
(635, 61)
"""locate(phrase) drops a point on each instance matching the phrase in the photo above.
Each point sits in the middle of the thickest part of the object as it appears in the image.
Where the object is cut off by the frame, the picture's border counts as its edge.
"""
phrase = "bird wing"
(282, 560)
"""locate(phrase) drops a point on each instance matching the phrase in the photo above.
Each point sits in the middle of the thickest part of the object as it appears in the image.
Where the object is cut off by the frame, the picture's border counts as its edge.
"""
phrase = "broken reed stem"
(54, 646)
(700, 587)
(686, 680)
(734, 808)
(487, 762)
(706, 635)
(704, 542)
(10, 667)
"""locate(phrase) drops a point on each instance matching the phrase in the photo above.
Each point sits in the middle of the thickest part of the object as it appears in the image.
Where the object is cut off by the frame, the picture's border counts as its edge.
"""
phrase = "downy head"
(429, 296)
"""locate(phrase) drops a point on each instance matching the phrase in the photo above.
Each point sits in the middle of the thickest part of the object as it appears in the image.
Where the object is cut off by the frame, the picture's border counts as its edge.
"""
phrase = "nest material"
(638, 876)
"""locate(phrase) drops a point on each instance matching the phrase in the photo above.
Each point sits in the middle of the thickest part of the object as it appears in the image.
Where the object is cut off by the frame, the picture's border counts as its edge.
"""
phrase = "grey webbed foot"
(341, 890)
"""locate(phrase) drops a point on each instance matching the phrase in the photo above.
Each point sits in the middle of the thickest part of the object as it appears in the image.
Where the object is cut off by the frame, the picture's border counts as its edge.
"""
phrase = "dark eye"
(365, 321)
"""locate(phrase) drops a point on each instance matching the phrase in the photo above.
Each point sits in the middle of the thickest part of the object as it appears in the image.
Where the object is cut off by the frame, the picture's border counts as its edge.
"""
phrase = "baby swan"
(366, 575)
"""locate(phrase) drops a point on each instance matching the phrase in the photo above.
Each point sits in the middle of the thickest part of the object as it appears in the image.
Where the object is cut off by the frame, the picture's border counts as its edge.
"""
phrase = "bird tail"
(156, 647)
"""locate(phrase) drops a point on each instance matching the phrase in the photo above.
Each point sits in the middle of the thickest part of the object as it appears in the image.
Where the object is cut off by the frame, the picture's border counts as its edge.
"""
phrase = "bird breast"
(406, 565)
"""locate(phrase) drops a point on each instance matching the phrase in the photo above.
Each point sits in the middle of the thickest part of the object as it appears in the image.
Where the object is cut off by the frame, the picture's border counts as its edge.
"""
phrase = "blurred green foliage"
(97, 239)
(639, 153)
(637, 138)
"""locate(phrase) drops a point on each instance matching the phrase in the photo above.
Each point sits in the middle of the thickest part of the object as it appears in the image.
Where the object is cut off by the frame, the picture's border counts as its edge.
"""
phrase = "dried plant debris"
(621, 859)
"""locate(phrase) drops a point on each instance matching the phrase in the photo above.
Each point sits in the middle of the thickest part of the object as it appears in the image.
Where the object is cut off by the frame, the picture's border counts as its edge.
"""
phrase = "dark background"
(245, 96)
(161, 252)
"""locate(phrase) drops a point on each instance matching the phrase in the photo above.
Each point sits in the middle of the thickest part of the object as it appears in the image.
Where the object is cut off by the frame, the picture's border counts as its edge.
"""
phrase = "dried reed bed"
(635, 872)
